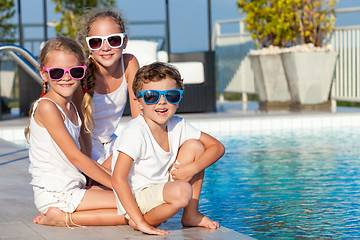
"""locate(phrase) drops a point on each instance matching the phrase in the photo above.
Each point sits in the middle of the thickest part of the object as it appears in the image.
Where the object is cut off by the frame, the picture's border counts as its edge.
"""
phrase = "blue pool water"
(287, 185)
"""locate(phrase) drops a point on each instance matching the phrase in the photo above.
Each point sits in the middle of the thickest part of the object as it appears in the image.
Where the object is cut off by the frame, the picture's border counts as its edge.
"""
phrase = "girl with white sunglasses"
(112, 72)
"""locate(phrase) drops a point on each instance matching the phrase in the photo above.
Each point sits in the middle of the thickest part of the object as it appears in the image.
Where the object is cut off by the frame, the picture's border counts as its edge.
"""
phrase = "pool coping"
(230, 122)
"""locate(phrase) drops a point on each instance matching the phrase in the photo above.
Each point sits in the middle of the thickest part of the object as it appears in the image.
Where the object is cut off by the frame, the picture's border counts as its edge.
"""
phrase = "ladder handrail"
(23, 58)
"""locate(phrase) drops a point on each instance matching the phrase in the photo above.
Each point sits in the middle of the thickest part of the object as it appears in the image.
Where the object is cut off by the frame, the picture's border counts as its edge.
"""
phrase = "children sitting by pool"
(148, 193)
(160, 158)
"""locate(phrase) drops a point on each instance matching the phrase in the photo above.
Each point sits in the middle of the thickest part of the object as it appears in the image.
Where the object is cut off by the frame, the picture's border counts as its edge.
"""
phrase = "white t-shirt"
(49, 167)
(151, 163)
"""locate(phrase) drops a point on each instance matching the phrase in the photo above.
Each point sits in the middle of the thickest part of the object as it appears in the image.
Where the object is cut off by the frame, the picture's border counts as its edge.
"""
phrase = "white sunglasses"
(114, 41)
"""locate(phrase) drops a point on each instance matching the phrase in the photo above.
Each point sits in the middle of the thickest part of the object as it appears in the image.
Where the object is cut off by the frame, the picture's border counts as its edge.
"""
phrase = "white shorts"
(66, 201)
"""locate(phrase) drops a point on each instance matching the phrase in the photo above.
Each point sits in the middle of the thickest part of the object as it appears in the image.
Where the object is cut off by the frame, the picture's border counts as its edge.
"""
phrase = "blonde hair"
(95, 14)
(92, 16)
(73, 47)
(154, 72)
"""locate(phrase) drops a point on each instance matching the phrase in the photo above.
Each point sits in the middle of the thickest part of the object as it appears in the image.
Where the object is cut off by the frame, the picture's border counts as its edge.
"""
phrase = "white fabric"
(49, 167)
(191, 72)
(162, 56)
(108, 110)
(151, 163)
(67, 200)
(144, 51)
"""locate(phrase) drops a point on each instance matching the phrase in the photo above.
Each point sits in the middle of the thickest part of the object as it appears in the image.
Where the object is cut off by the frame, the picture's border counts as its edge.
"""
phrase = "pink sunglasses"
(57, 73)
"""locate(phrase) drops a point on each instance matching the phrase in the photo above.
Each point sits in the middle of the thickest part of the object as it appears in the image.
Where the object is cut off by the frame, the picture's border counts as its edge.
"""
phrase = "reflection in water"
(287, 185)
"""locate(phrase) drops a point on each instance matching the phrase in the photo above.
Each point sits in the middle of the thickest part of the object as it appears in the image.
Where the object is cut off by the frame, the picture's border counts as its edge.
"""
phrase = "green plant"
(7, 30)
(72, 11)
(285, 23)
(315, 20)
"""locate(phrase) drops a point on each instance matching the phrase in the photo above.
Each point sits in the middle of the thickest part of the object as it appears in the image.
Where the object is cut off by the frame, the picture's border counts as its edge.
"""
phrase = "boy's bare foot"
(148, 229)
(198, 220)
(132, 224)
(53, 217)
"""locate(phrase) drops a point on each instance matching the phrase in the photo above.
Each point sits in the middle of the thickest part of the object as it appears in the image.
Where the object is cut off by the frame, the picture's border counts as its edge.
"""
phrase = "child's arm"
(84, 139)
(123, 191)
(131, 69)
(214, 150)
(50, 117)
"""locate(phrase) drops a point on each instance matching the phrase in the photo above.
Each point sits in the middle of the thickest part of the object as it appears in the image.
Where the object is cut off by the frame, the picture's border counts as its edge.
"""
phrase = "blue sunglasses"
(172, 96)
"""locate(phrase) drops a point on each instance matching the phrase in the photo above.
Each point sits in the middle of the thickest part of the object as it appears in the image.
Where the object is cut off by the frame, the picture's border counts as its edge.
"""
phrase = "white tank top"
(49, 167)
(108, 110)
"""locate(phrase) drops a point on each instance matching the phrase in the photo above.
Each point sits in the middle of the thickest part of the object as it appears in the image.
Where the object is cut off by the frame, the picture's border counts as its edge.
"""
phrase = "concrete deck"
(17, 209)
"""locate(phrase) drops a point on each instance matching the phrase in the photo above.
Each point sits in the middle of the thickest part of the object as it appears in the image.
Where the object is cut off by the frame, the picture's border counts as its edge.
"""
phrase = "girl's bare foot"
(53, 217)
(38, 217)
(198, 220)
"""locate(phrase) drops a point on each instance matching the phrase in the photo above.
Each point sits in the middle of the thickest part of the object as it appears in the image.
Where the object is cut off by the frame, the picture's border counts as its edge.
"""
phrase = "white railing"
(233, 69)
(346, 40)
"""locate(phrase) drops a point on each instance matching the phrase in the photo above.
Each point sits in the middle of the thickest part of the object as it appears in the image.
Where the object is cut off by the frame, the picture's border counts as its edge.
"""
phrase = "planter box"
(270, 81)
(309, 76)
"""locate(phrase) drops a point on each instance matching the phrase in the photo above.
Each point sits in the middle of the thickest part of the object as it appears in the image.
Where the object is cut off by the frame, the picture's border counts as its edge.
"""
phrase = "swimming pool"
(299, 184)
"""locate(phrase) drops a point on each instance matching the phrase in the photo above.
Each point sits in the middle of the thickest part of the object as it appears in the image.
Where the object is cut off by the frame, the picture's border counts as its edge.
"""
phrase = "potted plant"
(267, 22)
(278, 28)
(310, 66)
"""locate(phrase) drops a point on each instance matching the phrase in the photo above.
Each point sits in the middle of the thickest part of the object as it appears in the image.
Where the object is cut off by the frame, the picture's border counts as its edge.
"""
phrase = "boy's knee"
(183, 193)
(194, 146)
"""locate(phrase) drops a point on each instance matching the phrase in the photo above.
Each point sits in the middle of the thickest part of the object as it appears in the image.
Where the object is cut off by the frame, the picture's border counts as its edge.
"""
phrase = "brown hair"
(156, 71)
(72, 47)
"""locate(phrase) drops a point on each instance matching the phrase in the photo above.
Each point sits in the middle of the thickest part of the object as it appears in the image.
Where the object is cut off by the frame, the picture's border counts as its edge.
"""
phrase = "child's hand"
(147, 228)
(183, 171)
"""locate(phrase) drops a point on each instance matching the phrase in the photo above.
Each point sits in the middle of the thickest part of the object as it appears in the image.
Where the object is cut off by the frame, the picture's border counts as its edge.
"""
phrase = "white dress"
(56, 181)
(108, 110)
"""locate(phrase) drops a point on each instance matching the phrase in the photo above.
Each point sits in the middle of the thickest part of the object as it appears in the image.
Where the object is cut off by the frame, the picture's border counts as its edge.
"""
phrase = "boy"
(148, 147)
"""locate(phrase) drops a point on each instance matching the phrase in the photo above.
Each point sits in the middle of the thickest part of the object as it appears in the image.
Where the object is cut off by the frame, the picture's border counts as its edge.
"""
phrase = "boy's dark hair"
(156, 71)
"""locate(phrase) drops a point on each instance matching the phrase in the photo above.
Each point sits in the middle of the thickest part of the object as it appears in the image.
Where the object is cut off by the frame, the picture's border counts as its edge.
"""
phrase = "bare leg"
(90, 212)
(189, 152)
(98, 217)
(97, 198)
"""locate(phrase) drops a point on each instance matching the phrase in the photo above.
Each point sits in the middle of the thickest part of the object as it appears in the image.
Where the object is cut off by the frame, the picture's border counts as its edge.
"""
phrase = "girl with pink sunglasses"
(57, 165)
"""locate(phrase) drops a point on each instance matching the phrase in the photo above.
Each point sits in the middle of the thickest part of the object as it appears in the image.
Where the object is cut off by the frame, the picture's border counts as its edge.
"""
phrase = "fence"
(233, 69)
(346, 40)
(32, 44)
